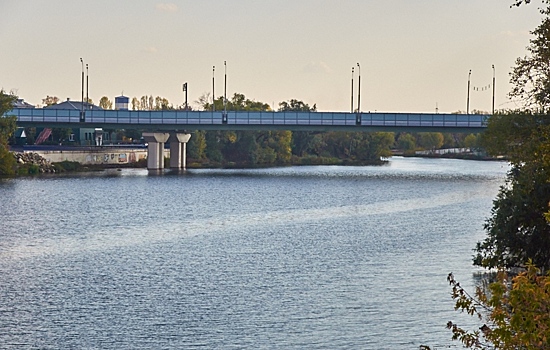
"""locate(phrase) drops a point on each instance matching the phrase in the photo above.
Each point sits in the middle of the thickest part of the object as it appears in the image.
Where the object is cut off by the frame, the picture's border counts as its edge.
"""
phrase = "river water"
(323, 257)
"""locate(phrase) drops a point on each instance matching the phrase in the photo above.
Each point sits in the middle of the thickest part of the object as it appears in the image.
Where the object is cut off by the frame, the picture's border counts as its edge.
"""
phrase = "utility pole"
(359, 93)
(493, 89)
(468, 99)
(213, 94)
(185, 90)
(87, 98)
(352, 69)
(82, 93)
(225, 88)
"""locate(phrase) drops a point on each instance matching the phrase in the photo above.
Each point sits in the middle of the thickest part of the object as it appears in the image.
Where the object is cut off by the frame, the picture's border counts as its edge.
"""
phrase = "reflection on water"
(299, 257)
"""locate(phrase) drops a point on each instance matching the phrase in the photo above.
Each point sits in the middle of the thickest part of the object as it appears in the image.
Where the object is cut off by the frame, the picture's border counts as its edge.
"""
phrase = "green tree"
(213, 146)
(136, 104)
(274, 147)
(517, 229)
(7, 128)
(375, 145)
(406, 142)
(543, 10)
(105, 103)
(162, 104)
(301, 140)
(283, 146)
(431, 140)
(449, 140)
(146, 103)
(472, 141)
(514, 312)
(242, 147)
(296, 106)
(50, 100)
(196, 146)
(356, 147)
(238, 102)
(530, 78)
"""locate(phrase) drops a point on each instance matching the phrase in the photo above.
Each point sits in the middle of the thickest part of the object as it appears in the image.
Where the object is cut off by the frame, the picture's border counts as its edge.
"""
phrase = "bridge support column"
(178, 150)
(155, 149)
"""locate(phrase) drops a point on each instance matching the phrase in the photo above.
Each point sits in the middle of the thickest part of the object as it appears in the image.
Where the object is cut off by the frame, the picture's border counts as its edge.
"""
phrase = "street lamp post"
(213, 93)
(82, 81)
(185, 90)
(225, 88)
(82, 92)
(493, 89)
(359, 88)
(468, 98)
(352, 70)
(87, 86)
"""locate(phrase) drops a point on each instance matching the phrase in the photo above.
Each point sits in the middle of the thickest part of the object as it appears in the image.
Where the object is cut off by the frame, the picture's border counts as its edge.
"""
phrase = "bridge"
(207, 120)
(174, 125)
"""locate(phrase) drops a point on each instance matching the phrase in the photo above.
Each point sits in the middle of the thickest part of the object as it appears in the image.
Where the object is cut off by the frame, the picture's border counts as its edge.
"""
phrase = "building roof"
(78, 105)
(20, 103)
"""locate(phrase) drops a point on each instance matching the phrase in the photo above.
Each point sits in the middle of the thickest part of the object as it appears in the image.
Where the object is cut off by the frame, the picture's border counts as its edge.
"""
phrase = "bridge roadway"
(207, 120)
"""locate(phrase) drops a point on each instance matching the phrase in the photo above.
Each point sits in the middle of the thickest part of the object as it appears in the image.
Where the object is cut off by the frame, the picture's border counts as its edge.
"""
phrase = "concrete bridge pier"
(155, 149)
(178, 150)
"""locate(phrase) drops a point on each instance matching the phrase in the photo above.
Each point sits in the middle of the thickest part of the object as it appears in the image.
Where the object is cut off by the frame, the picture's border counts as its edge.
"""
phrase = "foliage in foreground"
(7, 128)
(515, 313)
(517, 229)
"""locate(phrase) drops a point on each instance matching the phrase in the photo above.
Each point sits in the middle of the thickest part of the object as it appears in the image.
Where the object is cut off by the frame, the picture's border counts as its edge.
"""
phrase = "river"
(323, 257)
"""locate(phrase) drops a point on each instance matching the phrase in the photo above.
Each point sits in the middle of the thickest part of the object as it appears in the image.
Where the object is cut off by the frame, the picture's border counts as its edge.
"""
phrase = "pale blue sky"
(414, 54)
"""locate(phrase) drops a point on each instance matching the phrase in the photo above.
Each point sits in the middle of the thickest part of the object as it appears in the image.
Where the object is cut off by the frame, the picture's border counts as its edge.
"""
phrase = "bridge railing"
(125, 117)
(154, 117)
(424, 120)
(46, 115)
(290, 118)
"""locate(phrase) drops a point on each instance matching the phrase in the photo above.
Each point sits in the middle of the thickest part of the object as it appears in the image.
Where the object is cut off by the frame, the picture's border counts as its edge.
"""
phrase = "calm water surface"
(287, 258)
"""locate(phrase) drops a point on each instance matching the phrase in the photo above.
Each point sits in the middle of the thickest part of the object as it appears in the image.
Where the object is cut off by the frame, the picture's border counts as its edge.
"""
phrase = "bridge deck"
(206, 120)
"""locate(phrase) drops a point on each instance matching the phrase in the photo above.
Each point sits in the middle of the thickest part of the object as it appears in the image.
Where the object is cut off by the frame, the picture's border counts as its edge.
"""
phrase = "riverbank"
(32, 163)
(468, 156)
(54, 159)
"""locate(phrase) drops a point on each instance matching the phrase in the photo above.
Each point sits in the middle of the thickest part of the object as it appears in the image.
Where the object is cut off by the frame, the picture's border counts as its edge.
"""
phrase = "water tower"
(121, 103)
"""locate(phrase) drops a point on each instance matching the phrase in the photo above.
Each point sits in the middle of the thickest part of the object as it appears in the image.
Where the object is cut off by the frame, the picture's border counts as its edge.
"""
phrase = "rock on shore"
(43, 164)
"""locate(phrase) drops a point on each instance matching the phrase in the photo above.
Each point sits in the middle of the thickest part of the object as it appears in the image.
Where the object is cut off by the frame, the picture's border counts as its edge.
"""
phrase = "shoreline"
(33, 161)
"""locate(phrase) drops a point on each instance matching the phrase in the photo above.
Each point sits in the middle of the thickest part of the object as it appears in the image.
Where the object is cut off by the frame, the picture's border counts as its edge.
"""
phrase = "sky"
(414, 55)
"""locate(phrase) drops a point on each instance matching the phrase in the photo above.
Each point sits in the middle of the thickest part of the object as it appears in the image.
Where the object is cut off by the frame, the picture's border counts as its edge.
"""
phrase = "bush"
(515, 312)
(33, 169)
(67, 166)
(7, 162)
(28, 169)
(314, 160)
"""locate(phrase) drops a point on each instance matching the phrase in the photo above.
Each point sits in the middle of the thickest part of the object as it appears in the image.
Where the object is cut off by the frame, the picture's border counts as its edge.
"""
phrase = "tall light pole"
(82, 92)
(225, 88)
(493, 89)
(468, 98)
(213, 95)
(82, 80)
(87, 99)
(352, 70)
(359, 93)
(185, 90)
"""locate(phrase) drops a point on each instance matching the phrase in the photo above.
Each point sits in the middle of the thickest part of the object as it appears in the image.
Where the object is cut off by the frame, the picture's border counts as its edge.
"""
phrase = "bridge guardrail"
(126, 117)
